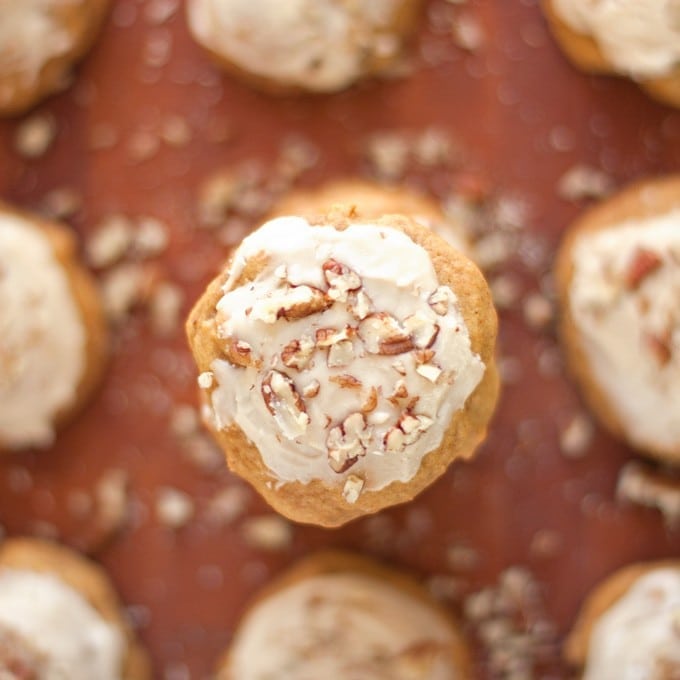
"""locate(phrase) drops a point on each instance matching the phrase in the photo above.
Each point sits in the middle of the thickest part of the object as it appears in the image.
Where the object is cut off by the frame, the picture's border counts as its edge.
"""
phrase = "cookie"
(303, 45)
(373, 200)
(639, 39)
(40, 40)
(346, 362)
(335, 615)
(618, 281)
(628, 627)
(61, 618)
(53, 336)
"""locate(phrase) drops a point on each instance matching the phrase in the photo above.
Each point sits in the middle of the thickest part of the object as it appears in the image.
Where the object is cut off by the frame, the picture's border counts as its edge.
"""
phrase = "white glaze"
(640, 633)
(30, 36)
(42, 336)
(398, 277)
(640, 38)
(315, 44)
(340, 626)
(616, 324)
(57, 622)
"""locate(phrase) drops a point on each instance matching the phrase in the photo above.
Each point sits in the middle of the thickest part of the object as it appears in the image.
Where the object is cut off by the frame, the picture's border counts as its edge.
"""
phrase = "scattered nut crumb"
(582, 181)
(205, 380)
(35, 135)
(267, 532)
(510, 620)
(174, 508)
(165, 308)
(151, 237)
(538, 311)
(61, 203)
(112, 500)
(650, 487)
(227, 505)
(576, 437)
(110, 241)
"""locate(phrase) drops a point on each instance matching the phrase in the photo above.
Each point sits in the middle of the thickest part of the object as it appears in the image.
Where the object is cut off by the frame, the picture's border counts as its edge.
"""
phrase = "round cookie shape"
(618, 279)
(627, 628)
(60, 618)
(303, 45)
(345, 363)
(40, 40)
(53, 337)
(372, 200)
(635, 38)
(335, 615)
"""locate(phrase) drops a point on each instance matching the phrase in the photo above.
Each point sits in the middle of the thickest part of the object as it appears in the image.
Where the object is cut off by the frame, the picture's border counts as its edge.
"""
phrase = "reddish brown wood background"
(523, 116)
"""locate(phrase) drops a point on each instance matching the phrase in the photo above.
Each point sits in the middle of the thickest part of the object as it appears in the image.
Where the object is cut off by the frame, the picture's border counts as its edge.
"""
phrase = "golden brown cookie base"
(86, 295)
(317, 503)
(404, 23)
(338, 562)
(82, 22)
(599, 601)
(586, 55)
(641, 200)
(86, 578)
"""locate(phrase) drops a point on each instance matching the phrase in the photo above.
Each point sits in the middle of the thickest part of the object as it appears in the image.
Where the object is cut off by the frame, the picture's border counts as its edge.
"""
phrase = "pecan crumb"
(267, 532)
(285, 404)
(352, 489)
(643, 263)
(643, 485)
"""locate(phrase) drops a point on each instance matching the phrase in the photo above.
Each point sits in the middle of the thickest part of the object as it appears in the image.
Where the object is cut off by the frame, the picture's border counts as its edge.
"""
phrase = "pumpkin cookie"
(303, 45)
(346, 362)
(40, 40)
(628, 626)
(337, 616)
(618, 279)
(60, 618)
(639, 39)
(53, 337)
(373, 200)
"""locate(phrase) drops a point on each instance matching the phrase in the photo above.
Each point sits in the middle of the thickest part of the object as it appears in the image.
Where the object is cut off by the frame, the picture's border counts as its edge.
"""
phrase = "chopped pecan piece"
(643, 263)
(240, 353)
(347, 442)
(381, 333)
(297, 353)
(341, 280)
(660, 347)
(346, 380)
(290, 302)
(352, 489)
(360, 305)
(423, 331)
(408, 430)
(285, 404)
(439, 301)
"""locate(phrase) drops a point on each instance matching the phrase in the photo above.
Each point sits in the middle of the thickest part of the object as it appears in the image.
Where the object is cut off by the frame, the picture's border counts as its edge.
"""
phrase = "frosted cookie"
(336, 616)
(372, 200)
(303, 45)
(60, 618)
(40, 40)
(53, 338)
(345, 362)
(618, 280)
(639, 39)
(628, 626)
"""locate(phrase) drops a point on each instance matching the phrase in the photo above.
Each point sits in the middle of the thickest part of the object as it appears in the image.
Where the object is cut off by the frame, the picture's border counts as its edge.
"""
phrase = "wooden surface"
(523, 117)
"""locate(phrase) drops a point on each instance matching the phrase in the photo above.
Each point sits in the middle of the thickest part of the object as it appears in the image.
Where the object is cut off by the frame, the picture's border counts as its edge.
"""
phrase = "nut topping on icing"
(643, 263)
(347, 442)
(361, 352)
(383, 334)
(285, 404)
